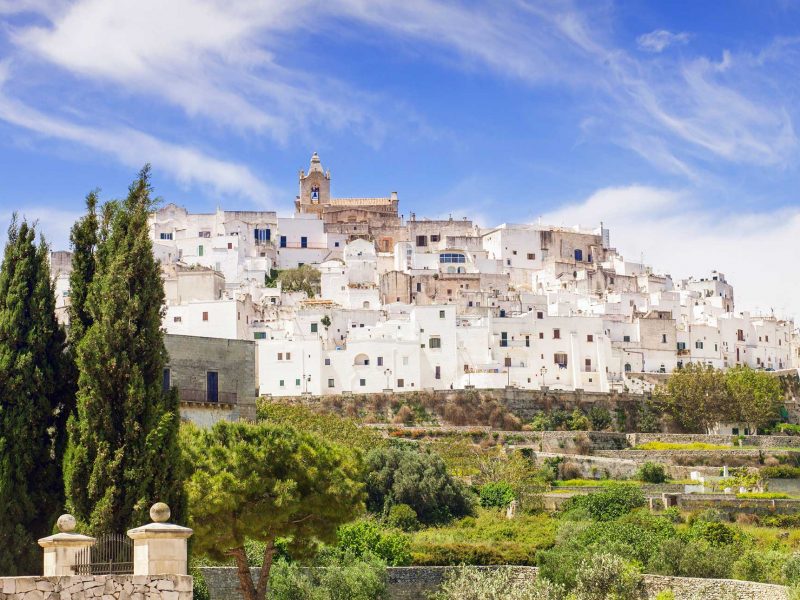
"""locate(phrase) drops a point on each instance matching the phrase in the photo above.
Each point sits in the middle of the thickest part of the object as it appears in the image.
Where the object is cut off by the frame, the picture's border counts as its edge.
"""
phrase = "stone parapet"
(103, 587)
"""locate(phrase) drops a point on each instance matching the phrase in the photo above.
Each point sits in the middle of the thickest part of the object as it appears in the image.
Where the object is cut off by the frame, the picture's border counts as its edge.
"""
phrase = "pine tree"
(32, 395)
(123, 451)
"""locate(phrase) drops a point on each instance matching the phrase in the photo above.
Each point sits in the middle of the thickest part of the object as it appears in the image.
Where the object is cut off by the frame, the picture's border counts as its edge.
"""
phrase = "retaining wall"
(761, 441)
(103, 587)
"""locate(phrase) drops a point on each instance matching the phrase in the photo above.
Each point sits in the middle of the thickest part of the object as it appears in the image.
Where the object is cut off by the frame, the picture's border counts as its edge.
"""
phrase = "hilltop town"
(405, 304)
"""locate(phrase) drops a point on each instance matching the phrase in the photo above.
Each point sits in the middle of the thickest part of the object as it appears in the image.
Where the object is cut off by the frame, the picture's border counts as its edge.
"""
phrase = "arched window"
(627, 367)
(361, 360)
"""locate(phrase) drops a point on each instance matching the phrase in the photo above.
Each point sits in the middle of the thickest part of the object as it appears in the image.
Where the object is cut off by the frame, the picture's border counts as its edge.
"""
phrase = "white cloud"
(134, 148)
(54, 223)
(660, 39)
(756, 251)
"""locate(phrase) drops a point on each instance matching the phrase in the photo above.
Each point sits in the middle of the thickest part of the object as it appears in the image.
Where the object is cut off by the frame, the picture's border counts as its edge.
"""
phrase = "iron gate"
(110, 554)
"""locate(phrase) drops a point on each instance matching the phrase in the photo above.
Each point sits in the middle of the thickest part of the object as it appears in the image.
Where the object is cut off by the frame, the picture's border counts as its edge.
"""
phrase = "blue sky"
(673, 122)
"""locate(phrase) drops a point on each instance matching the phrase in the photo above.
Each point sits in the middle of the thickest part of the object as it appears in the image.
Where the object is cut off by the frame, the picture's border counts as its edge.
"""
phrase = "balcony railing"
(202, 396)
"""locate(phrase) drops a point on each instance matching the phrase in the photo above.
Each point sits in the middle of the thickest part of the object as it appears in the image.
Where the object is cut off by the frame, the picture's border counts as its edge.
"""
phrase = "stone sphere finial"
(159, 512)
(66, 523)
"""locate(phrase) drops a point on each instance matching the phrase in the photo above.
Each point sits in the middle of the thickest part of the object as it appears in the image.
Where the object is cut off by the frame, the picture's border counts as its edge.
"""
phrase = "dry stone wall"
(102, 587)
(690, 588)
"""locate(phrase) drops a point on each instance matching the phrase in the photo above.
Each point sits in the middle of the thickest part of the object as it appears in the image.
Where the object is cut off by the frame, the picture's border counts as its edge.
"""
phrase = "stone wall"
(416, 583)
(689, 588)
(103, 587)
(760, 441)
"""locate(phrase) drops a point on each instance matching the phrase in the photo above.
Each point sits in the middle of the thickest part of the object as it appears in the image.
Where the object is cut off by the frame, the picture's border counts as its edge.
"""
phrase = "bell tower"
(315, 188)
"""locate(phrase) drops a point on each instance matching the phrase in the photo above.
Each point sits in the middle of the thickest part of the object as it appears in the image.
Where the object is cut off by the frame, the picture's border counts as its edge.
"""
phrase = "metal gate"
(110, 554)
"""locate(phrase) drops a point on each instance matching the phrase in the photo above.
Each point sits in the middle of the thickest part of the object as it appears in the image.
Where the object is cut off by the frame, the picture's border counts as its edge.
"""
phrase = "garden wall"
(103, 587)
(760, 441)
(415, 583)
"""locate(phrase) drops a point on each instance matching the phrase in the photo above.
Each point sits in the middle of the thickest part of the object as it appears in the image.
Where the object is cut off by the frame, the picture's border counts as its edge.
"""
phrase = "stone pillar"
(159, 548)
(61, 549)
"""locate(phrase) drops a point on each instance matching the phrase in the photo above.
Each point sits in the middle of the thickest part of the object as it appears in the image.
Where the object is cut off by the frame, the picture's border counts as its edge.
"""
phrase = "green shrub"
(687, 446)
(665, 595)
(402, 516)
(603, 576)
(496, 495)
(673, 514)
(692, 558)
(759, 565)
(365, 537)
(469, 583)
(578, 421)
(336, 577)
(715, 533)
(613, 502)
(651, 472)
(763, 495)
(599, 417)
(787, 429)
(780, 472)
(791, 569)
(709, 515)
(420, 479)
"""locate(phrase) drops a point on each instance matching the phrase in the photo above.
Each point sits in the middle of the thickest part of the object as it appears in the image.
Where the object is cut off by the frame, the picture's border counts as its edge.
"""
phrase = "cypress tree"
(32, 394)
(83, 238)
(123, 451)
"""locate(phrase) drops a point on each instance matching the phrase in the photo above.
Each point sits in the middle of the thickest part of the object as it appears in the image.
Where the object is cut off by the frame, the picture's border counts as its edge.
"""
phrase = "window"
(539, 314)
(165, 380)
(766, 338)
(205, 316)
(579, 254)
(261, 235)
(587, 365)
(514, 252)
(288, 356)
(527, 341)
(230, 245)
(698, 344)
(200, 250)
(165, 236)
(400, 383)
(435, 237)
(739, 335)
(177, 319)
(590, 338)
(663, 338)
(283, 241)
(441, 314)
(541, 335)
(281, 384)
(405, 361)
(212, 386)
(297, 382)
(314, 328)
(280, 355)
(331, 383)
(303, 242)
(434, 342)
(259, 335)
(380, 361)
(626, 338)
(438, 374)
(419, 287)
(503, 339)
(556, 334)
(627, 367)
(531, 256)
(422, 240)
(327, 362)
(681, 345)
(560, 358)
(362, 382)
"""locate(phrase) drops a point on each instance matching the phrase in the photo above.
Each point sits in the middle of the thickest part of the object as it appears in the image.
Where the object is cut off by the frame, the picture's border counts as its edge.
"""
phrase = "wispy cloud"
(660, 39)
(676, 234)
(133, 148)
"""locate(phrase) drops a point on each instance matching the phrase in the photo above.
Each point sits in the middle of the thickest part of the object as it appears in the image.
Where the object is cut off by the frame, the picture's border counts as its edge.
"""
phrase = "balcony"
(193, 396)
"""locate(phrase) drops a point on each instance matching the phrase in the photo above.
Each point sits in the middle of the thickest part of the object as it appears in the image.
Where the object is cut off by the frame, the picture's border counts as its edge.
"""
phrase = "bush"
(673, 514)
(781, 472)
(605, 576)
(469, 583)
(791, 569)
(599, 417)
(417, 478)
(404, 416)
(496, 495)
(364, 538)
(402, 516)
(337, 577)
(665, 595)
(715, 533)
(613, 502)
(759, 565)
(578, 421)
(570, 470)
(651, 472)
(763, 495)
(674, 446)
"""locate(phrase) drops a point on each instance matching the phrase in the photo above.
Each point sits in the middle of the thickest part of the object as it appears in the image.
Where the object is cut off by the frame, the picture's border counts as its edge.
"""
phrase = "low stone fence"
(416, 583)
(730, 504)
(103, 587)
(717, 458)
(760, 441)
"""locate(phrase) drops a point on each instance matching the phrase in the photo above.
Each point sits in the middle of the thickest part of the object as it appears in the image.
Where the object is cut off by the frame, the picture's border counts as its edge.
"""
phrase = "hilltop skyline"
(673, 125)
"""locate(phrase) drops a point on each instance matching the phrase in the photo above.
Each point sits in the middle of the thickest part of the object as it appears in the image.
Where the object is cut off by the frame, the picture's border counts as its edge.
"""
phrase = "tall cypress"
(32, 395)
(83, 239)
(123, 451)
